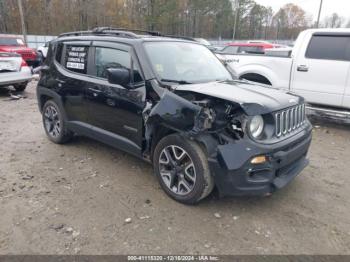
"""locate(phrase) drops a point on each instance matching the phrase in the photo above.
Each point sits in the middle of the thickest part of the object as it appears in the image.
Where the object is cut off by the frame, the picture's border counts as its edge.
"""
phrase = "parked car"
(172, 103)
(16, 44)
(246, 48)
(14, 71)
(317, 69)
(43, 50)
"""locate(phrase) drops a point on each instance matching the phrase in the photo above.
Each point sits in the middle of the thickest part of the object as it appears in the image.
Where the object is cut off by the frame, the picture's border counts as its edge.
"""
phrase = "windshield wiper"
(181, 82)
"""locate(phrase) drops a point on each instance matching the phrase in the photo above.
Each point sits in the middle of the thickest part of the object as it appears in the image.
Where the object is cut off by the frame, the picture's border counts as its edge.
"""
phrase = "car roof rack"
(181, 37)
(122, 32)
(114, 29)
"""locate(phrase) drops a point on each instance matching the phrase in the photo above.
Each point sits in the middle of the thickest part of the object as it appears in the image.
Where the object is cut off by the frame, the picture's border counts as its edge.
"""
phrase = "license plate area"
(7, 66)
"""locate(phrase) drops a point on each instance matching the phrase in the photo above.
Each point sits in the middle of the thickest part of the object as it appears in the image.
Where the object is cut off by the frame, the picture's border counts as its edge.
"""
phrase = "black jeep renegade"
(171, 102)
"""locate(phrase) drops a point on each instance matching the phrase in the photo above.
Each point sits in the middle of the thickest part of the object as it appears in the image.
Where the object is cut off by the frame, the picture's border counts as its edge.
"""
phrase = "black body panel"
(133, 118)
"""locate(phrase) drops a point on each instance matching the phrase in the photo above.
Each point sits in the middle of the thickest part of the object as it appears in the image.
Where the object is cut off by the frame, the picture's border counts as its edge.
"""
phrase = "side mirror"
(118, 76)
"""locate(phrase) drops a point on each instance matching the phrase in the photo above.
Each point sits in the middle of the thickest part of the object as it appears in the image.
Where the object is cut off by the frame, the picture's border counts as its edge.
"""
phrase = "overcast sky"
(342, 7)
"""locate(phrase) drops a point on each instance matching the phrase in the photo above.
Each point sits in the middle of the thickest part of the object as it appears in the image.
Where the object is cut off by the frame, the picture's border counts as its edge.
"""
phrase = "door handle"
(95, 92)
(302, 68)
(60, 81)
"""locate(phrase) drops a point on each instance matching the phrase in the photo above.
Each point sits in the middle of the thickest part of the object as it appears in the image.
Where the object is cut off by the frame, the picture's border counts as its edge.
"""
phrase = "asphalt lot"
(76, 199)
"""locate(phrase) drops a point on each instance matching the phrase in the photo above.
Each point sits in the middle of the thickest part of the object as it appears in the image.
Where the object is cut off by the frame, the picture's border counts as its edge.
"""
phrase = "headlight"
(256, 126)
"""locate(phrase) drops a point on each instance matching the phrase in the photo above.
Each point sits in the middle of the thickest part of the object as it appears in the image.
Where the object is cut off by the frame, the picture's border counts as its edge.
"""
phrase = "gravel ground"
(87, 198)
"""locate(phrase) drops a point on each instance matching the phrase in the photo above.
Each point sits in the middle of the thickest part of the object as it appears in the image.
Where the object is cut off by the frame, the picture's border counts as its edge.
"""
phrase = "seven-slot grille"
(289, 120)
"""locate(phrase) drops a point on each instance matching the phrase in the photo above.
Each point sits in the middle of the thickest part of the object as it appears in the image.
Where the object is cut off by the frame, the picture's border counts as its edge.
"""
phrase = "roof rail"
(104, 29)
(181, 37)
(77, 33)
(122, 32)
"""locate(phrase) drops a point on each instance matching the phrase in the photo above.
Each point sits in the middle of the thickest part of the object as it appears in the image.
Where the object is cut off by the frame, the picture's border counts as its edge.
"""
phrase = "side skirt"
(105, 137)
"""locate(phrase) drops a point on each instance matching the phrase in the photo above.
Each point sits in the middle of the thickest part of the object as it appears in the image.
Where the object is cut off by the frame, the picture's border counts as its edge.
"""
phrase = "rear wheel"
(20, 87)
(182, 169)
(54, 124)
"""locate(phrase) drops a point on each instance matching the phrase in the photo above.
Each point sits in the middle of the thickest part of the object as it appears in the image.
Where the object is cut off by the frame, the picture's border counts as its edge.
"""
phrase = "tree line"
(213, 19)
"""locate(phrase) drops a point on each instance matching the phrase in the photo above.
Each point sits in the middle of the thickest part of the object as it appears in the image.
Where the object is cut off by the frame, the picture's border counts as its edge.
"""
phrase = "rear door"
(320, 74)
(71, 79)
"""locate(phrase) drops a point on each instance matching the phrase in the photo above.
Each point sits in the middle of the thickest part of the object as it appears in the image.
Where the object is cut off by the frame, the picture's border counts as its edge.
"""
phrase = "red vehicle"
(16, 44)
(249, 48)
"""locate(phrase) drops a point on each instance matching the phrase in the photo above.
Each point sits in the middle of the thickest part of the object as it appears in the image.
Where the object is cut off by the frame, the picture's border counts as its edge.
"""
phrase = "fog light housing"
(258, 160)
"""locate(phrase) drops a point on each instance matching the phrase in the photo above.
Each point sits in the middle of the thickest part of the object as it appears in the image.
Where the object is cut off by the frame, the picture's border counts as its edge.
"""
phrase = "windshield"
(11, 41)
(185, 62)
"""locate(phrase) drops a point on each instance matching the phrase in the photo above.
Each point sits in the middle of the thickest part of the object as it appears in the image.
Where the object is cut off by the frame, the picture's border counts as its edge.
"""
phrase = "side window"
(110, 58)
(251, 50)
(113, 58)
(231, 50)
(76, 58)
(329, 48)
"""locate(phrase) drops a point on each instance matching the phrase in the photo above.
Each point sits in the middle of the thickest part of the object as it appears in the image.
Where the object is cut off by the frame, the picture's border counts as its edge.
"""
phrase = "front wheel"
(182, 169)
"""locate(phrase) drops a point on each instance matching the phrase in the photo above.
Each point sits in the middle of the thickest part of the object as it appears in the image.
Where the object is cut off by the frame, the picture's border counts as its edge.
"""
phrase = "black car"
(171, 102)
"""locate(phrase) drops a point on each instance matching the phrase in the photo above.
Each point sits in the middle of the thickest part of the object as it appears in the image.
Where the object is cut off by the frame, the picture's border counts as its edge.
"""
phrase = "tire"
(54, 124)
(20, 87)
(189, 180)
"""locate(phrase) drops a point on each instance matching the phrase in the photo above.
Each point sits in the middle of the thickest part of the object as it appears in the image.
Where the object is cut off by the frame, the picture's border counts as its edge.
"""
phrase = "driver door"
(115, 110)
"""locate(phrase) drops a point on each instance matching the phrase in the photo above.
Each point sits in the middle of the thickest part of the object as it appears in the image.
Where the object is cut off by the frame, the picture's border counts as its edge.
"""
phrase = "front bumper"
(234, 175)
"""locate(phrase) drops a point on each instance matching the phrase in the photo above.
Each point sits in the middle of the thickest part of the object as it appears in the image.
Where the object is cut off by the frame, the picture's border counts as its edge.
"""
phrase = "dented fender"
(174, 112)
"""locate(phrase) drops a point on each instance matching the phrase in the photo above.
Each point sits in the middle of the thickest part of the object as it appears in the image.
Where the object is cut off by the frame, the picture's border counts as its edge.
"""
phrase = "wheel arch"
(259, 71)
(256, 78)
(45, 94)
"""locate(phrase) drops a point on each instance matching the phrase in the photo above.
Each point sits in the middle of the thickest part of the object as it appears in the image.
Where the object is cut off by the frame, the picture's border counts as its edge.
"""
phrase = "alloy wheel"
(177, 170)
(52, 121)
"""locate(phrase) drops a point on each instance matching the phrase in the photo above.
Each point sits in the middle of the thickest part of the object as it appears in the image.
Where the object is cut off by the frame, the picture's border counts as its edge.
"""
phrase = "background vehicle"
(318, 69)
(16, 44)
(14, 71)
(246, 48)
(43, 49)
(171, 102)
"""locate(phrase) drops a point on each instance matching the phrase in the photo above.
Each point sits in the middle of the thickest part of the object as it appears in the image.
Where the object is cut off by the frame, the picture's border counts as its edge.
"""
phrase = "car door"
(116, 109)
(71, 79)
(320, 74)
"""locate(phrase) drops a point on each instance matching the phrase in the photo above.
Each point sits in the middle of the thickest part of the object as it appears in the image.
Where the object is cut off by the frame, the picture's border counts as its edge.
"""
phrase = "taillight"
(24, 63)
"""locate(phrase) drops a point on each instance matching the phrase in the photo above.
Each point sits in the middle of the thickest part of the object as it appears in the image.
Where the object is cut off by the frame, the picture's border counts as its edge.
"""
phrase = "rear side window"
(329, 48)
(76, 58)
(113, 58)
(59, 49)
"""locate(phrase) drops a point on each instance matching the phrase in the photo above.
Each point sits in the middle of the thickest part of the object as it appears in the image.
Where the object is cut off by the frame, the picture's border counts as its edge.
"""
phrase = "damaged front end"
(222, 128)
(195, 116)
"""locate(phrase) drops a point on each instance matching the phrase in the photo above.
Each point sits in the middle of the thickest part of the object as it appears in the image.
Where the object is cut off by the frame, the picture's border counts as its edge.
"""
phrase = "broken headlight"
(256, 126)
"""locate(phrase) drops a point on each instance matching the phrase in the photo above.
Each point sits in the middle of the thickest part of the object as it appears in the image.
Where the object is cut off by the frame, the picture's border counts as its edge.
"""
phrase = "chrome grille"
(289, 120)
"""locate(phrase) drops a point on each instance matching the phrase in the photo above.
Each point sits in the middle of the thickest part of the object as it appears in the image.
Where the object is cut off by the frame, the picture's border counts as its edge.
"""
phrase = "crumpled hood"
(253, 98)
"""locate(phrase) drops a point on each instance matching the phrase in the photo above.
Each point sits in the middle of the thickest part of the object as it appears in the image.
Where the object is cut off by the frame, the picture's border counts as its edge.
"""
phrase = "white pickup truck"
(317, 69)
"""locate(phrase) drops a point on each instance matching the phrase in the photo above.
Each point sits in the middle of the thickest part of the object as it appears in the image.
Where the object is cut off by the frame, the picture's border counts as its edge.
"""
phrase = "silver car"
(14, 71)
